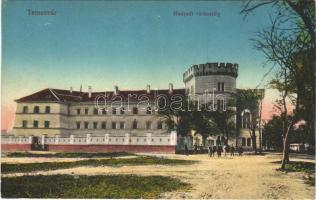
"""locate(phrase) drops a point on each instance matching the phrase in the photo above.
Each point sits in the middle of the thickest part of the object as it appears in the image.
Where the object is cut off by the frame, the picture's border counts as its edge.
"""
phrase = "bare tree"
(290, 44)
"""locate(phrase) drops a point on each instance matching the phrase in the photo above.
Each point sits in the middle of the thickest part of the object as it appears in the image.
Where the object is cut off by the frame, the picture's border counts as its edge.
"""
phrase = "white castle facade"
(67, 117)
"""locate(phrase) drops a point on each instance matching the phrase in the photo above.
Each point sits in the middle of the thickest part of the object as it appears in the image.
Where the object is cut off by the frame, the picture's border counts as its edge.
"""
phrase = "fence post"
(106, 138)
(30, 139)
(43, 141)
(71, 139)
(20, 139)
(88, 138)
(149, 138)
(173, 138)
(127, 138)
(56, 139)
(10, 139)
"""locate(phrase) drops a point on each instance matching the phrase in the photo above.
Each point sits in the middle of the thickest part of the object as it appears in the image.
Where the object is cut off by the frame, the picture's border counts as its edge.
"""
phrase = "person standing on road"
(210, 151)
(232, 151)
(226, 149)
(214, 150)
(219, 151)
(186, 151)
(195, 148)
(240, 151)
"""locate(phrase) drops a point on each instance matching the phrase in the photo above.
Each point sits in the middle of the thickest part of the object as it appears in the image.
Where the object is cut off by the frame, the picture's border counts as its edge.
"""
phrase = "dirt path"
(246, 177)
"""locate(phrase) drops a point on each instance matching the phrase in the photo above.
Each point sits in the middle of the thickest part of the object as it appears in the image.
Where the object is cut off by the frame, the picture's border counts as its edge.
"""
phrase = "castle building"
(55, 116)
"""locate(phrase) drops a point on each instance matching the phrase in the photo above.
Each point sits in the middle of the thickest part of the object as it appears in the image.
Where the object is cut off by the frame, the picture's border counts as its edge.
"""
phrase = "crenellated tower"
(216, 78)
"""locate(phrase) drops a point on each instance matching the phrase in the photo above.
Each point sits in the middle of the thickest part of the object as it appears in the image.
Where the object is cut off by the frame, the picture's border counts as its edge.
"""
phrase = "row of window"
(220, 88)
(115, 125)
(121, 111)
(36, 109)
(245, 142)
(102, 140)
(35, 124)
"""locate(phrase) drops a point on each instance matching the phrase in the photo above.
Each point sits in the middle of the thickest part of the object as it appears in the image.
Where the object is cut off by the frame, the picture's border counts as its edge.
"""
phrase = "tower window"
(220, 87)
(86, 111)
(220, 105)
(78, 111)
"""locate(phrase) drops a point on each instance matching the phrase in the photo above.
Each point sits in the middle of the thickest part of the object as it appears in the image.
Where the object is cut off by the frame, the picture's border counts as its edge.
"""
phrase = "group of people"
(226, 149)
(212, 150)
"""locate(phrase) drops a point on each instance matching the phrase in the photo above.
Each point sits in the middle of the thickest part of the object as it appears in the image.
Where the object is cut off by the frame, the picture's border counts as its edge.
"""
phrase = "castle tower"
(212, 78)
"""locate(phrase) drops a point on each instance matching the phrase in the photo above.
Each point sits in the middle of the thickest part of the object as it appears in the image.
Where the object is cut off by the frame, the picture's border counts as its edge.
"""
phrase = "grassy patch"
(46, 166)
(307, 167)
(68, 155)
(67, 186)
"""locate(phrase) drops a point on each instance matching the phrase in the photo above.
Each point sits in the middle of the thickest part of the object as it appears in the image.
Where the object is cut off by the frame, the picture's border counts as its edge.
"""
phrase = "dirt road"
(245, 177)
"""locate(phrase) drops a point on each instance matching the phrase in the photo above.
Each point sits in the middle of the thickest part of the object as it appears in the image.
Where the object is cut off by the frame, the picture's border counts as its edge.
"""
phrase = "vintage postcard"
(158, 99)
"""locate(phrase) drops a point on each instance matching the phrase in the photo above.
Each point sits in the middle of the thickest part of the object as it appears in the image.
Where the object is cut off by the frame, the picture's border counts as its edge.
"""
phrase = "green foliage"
(248, 99)
(67, 186)
(45, 166)
(204, 121)
(68, 155)
(272, 134)
(307, 167)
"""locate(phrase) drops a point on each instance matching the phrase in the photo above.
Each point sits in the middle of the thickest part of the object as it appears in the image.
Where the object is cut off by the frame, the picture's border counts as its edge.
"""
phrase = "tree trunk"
(254, 141)
(286, 155)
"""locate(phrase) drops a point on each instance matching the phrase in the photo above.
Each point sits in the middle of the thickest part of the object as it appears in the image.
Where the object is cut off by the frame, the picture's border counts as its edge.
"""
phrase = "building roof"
(58, 95)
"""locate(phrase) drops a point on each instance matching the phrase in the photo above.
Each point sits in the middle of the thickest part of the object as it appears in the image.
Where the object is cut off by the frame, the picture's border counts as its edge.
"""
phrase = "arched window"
(248, 142)
(243, 141)
(246, 119)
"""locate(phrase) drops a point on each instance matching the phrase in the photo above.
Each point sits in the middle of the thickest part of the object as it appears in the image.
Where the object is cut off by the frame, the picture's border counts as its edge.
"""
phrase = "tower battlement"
(230, 69)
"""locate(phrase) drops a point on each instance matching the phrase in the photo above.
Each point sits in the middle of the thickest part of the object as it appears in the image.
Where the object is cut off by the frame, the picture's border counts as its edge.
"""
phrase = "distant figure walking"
(240, 151)
(232, 151)
(226, 148)
(186, 150)
(195, 148)
(214, 150)
(209, 150)
(219, 151)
